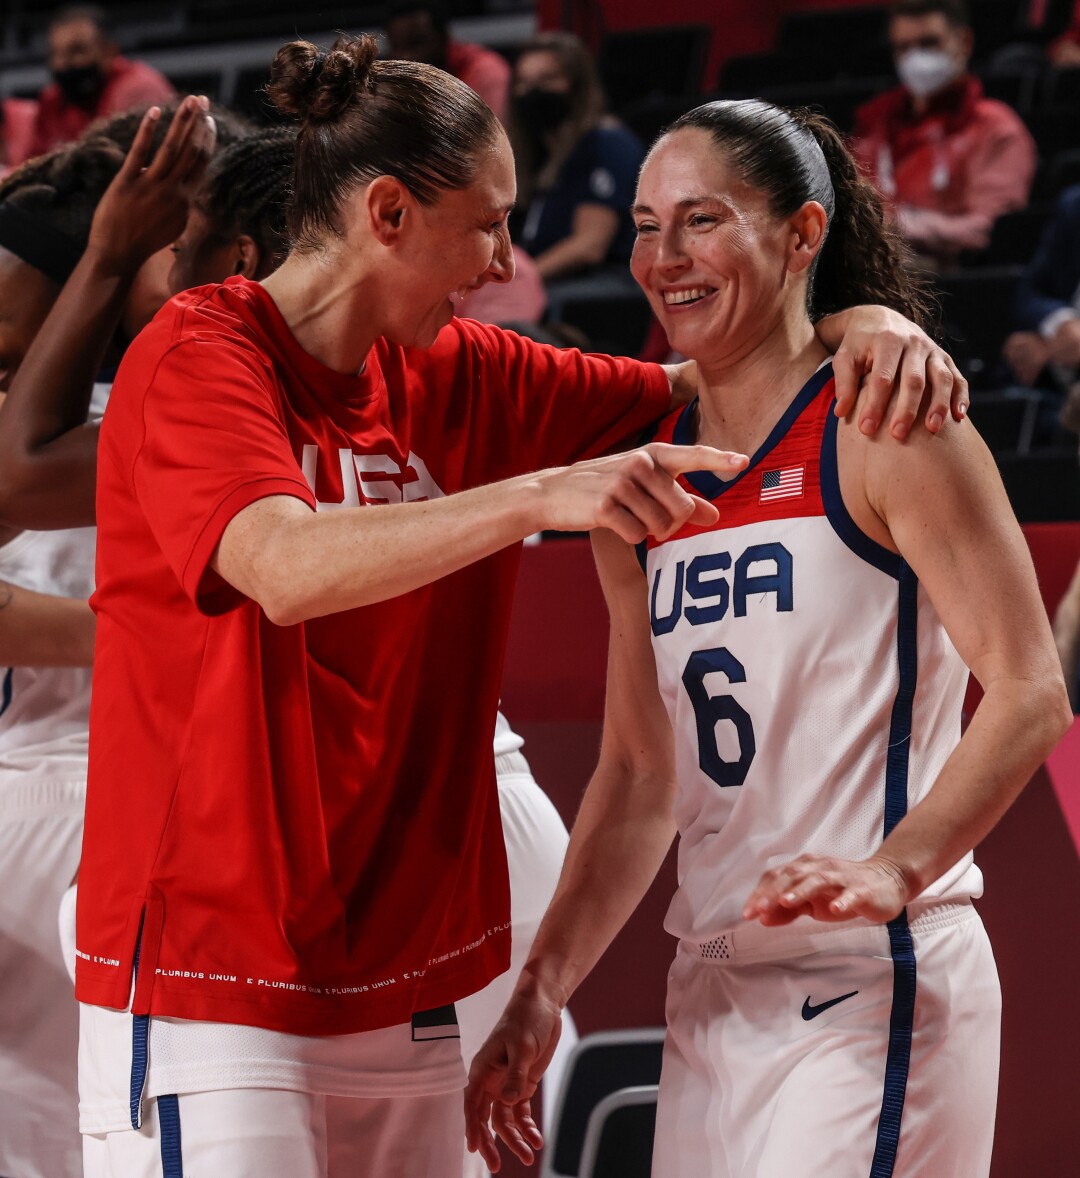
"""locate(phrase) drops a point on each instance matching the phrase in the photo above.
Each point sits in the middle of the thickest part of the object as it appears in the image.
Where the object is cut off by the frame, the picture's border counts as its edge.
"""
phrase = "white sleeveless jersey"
(813, 692)
(44, 711)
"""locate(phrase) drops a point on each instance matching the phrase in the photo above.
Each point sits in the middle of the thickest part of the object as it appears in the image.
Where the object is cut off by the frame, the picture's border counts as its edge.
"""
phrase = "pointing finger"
(682, 459)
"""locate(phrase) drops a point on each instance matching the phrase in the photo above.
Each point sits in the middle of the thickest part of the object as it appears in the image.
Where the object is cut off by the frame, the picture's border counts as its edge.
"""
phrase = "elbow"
(1052, 711)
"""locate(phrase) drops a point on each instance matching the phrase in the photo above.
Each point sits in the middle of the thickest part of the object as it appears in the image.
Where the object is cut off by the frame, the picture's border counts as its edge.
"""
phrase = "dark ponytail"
(798, 156)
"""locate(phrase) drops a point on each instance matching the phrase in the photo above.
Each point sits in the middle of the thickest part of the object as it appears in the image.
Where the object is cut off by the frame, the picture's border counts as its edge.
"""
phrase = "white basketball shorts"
(865, 1053)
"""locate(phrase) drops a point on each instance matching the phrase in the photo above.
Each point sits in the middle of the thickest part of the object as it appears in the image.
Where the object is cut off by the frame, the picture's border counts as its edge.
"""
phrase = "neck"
(328, 307)
(742, 395)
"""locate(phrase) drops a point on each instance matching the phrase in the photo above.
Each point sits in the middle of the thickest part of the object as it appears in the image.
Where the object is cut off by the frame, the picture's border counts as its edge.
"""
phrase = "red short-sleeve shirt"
(302, 820)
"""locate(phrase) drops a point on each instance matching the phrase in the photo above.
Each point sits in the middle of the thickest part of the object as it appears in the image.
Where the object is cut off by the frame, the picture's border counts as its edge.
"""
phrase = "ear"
(247, 256)
(388, 205)
(808, 225)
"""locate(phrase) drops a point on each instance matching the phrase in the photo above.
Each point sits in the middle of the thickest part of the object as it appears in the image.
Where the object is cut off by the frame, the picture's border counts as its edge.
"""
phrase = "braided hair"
(247, 189)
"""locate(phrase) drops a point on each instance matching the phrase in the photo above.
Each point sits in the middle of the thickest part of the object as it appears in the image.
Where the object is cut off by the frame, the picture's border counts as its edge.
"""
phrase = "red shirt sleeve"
(214, 441)
(572, 405)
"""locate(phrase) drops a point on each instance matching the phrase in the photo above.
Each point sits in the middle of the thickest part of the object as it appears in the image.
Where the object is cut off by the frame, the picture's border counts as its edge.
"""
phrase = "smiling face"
(26, 297)
(455, 245)
(719, 268)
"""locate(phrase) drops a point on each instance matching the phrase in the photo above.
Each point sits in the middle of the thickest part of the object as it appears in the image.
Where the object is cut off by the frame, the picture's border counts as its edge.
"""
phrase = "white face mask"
(926, 71)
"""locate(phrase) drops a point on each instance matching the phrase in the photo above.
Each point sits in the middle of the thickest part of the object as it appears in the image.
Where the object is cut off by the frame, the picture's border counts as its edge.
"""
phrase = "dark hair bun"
(320, 86)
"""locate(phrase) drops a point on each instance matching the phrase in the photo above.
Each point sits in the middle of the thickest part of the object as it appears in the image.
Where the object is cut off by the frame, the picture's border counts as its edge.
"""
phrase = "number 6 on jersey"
(709, 710)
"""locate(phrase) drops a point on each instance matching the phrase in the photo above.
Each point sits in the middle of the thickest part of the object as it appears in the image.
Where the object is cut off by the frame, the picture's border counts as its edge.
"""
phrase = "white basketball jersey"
(813, 692)
(45, 711)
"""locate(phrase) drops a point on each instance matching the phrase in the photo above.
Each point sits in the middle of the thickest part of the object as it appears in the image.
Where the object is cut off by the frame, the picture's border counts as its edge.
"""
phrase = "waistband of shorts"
(752, 941)
(34, 795)
(512, 765)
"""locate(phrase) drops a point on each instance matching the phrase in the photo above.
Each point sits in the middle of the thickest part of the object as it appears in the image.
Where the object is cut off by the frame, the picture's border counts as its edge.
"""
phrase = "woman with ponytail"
(294, 863)
(785, 687)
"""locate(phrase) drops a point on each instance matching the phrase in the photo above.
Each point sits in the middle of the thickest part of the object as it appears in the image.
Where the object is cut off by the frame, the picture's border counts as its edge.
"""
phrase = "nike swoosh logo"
(809, 1012)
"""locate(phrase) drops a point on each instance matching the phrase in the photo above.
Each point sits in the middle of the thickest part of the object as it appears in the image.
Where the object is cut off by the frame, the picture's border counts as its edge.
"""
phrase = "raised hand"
(145, 208)
(634, 494)
(828, 889)
(504, 1076)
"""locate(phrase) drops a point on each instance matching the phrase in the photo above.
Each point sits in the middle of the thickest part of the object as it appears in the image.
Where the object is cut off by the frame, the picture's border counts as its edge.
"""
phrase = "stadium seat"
(1006, 421)
(1014, 238)
(614, 322)
(599, 1065)
(619, 1136)
(1043, 486)
(976, 316)
(639, 63)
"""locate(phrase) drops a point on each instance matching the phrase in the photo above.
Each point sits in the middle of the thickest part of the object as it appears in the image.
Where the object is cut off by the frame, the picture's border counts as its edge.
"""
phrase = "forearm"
(573, 253)
(46, 459)
(310, 565)
(619, 841)
(945, 232)
(1013, 730)
(39, 630)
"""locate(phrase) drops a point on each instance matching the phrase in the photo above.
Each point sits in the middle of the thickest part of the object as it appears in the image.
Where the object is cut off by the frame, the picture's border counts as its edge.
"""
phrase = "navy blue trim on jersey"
(6, 690)
(708, 485)
(168, 1111)
(140, 1047)
(837, 514)
(901, 946)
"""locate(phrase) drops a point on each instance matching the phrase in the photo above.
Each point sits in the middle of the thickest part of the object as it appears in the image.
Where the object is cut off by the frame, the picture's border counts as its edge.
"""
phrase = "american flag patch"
(782, 484)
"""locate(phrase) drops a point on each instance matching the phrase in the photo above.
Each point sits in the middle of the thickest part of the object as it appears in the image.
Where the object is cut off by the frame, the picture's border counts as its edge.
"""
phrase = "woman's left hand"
(828, 889)
(879, 357)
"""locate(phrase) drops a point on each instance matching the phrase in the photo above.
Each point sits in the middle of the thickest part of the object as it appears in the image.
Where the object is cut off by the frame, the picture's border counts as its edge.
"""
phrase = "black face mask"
(80, 84)
(542, 111)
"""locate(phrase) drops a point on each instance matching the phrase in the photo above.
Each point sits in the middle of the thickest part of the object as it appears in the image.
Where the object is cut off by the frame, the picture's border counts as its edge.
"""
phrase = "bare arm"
(999, 627)
(48, 454)
(622, 833)
(298, 564)
(592, 232)
(39, 630)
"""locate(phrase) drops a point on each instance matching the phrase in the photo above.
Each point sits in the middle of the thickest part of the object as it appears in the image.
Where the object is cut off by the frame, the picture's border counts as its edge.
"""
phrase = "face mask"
(541, 111)
(81, 83)
(926, 71)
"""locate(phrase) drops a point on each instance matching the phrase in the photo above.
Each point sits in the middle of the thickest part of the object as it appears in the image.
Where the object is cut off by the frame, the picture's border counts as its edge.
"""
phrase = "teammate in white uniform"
(783, 689)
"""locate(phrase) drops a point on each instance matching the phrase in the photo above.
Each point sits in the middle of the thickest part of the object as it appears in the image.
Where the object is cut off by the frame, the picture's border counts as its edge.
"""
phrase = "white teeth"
(672, 297)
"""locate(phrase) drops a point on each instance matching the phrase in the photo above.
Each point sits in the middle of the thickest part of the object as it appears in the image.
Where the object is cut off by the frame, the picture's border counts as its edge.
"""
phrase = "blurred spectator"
(419, 31)
(17, 117)
(577, 167)
(949, 160)
(1047, 346)
(90, 79)
(1065, 51)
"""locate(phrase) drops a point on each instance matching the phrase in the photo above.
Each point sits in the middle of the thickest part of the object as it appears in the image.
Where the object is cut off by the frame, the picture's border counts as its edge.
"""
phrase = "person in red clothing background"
(949, 160)
(418, 31)
(17, 117)
(1064, 53)
(90, 79)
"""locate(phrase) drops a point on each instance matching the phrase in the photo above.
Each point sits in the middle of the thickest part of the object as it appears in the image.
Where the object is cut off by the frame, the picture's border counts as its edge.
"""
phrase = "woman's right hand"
(634, 494)
(146, 206)
(504, 1076)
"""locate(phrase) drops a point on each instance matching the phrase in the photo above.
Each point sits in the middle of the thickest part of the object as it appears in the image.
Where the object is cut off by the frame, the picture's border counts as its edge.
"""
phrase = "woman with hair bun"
(785, 688)
(293, 863)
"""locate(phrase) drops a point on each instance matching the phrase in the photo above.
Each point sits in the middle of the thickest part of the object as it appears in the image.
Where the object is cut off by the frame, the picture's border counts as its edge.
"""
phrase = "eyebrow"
(688, 203)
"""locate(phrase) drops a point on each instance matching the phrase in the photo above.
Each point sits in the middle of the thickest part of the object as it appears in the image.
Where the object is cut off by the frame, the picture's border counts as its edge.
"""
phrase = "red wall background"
(553, 694)
(739, 26)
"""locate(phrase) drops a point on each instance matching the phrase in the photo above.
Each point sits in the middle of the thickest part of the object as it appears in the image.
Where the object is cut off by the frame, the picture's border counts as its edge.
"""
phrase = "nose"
(502, 260)
(671, 257)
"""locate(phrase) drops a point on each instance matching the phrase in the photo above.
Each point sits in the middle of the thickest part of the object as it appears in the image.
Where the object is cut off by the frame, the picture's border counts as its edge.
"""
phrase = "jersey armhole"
(838, 515)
